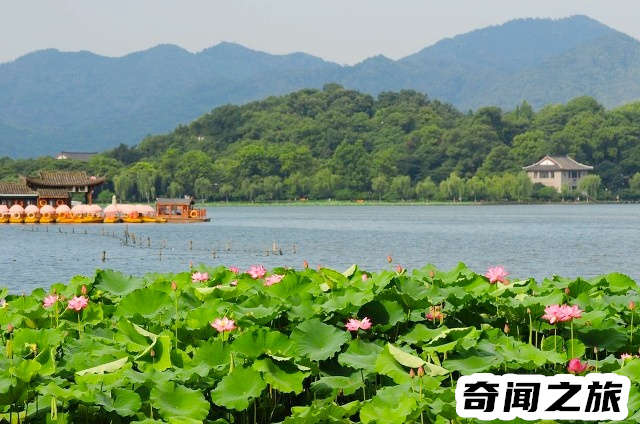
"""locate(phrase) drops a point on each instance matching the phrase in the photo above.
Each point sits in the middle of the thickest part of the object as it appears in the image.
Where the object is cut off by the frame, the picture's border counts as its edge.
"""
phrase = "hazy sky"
(344, 31)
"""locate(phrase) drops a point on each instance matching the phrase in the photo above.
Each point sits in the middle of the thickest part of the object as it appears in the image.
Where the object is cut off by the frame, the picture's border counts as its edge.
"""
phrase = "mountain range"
(53, 100)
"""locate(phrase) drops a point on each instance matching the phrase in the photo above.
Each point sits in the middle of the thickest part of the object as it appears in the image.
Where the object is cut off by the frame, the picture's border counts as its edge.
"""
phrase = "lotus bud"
(190, 264)
(389, 258)
(567, 291)
(595, 350)
(83, 290)
(174, 286)
(399, 269)
(305, 264)
(529, 311)
(432, 274)
(412, 373)
(152, 353)
(319, 267)
(632, 305)
(10, 328)
(506, 328)
(420, 371)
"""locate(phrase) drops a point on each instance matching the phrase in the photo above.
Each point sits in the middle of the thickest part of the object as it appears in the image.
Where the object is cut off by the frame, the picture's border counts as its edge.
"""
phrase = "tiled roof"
(15, 189)
(179, 201)
(63, 179)
(53, 193)
(558, 163)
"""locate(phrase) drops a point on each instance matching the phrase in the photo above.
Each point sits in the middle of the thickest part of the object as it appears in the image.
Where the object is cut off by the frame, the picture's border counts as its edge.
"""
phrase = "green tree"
(452, 188)
(590, 186)
(203, 188)
(400, 188)
(380, 185)
(426, 189)
(476, 188)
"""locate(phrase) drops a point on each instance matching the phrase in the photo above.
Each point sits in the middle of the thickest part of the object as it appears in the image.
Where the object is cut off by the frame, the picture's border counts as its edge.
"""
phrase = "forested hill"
(54, 100)
(339, 143)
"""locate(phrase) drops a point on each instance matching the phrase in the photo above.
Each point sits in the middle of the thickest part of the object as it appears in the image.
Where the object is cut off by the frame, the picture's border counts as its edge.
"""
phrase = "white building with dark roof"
(558, 172)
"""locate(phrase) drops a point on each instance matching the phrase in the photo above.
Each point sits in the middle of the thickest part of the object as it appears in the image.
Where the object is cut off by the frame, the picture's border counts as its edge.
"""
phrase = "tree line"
(341, 144)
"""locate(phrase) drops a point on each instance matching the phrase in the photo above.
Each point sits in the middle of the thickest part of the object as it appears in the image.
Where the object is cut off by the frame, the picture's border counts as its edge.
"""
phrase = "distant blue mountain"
(54, 100)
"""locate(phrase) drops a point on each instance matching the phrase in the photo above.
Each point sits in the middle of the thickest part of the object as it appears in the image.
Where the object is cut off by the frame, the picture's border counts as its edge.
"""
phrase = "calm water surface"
(530, 240)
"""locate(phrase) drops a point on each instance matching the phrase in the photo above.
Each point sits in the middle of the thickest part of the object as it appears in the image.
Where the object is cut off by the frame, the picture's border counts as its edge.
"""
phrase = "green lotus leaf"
(317, 340)
(259, 341)
(387, 365)
(283, 376)
(124, 402)
(405, 358)
(108, 367)
(213, 353)
(117, 283)
(175, 400)
(42, 338)
(146, 302)
(620, 283)
(393, 403)
(25, 370)
(236, 390)
(472, 364)
(332, 385)
(360, 355)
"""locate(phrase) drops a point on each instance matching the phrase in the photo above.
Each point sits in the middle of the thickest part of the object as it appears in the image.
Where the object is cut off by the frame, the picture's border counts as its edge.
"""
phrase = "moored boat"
(180, 210)
(111, 215)
(16, 214)
(47, 214)
(32, 214)
(4, 214)
(63, 214)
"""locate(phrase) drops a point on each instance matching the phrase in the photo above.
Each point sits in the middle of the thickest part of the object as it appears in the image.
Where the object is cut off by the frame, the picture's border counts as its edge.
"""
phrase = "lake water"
(529, 240)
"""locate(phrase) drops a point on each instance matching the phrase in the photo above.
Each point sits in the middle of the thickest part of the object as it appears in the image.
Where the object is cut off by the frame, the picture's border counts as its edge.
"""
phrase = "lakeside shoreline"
(397, 203)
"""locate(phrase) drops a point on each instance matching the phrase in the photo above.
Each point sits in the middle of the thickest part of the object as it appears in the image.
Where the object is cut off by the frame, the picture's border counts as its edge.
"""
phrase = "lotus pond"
(219, 345)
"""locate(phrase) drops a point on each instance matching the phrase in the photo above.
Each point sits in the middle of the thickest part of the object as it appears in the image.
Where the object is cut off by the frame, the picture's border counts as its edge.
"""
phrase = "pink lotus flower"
(365, 277)
(223, 324)
(273, 279)
(174, 286)
(234, 283)
(399, 269)
(50, 300)
(234, 269)
(626, 356)
(561, 313)
(78, 303)
(200, 277)
(305, 264)
(355, 324)
(257, 271)
(365, 324)
(576, 366)
(435, 313)
(497, 273)
(3, 303)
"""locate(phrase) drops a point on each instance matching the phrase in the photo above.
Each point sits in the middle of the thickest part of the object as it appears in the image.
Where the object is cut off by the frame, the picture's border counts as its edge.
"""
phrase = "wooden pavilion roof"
(63, 179)
(181, 201)
(8, 189)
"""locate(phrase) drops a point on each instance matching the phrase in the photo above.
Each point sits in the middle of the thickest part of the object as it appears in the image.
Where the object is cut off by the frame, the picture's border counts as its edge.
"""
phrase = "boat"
(129, 214)
(93, 214)
(148, 214)
(78, 213)
(47, 214)
(16, 214)
(111, 215)
(4, 214)
(63, 214)
(180, 210)
(32, 214)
